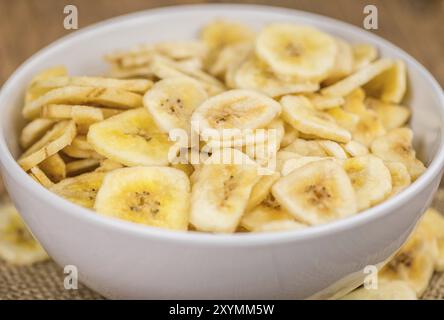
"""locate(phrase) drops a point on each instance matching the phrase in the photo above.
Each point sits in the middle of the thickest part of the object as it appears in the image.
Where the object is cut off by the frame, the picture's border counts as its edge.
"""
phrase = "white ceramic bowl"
(123, 260)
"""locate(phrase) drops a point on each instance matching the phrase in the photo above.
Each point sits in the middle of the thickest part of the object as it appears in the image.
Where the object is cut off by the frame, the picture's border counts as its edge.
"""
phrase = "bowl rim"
(238, 239)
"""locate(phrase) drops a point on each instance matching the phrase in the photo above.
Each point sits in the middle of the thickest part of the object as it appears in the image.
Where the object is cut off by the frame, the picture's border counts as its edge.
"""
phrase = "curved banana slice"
(414, 263)
(323, 102)
(317, 192)
(34, 130)
(344, 62)
(355, 149)
(54, 167)
(38, 175)
(290, 135)
(309, 148)
(221, 33)
(181, 50)
(300, 113)
(165, 68)
(370, 178)
(261, 190)
(230, 55)
(255, 75)
(81, 190)
(33, 91)
(108, 165)
(239, 110)
(131, 138)
(392, 116)
(396, 146)
(344, 119)
(172, 101)
(78, 153)
(133, 85)
(299, 51)
(107, 97)
(78, 167)
(269, 216)
(389, 86)
(221, 191)
(433, 224)
(282, 156)
(60, 136)
(363, 55)
(17, 245)
(333, 149)
(294, 163)
(387, 290)
(358, 79)
(154, 196)
(400, 176)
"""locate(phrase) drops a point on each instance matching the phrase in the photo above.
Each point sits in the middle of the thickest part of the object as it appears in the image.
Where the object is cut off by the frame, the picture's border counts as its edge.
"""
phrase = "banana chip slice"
(370, 178)
(300, 113)
(298, 51)
(33, 91)
(400, 176)
(54, 167)
(414, 263)
(221, 191)
(363, 55)
(41, 177)
(107, 97)
(17, 245)
(172, 101)
(356, 80)
(269, 216)
(81, 190)
(34, 130)
(52, 142)
(235, 109)
(131, 138)
(255, 75)
(387, 290)
(396, 146)
(392, 116)
(261, 190)
(317, 192)
(77, 167)
(155, 196)
(433, 225)
(389, 86)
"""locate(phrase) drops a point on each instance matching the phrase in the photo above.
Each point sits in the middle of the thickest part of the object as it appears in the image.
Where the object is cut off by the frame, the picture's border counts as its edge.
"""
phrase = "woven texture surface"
(45, 280)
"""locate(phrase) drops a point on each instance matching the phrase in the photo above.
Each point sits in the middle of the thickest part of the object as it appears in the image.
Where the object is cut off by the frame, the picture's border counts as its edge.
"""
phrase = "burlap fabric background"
(45, 280)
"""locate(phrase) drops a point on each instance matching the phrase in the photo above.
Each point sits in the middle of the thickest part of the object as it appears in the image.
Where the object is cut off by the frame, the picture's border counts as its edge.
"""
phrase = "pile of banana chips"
(237, 131)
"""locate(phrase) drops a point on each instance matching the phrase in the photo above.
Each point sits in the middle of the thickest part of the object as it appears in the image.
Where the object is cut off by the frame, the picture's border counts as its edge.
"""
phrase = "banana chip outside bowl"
(124, 260)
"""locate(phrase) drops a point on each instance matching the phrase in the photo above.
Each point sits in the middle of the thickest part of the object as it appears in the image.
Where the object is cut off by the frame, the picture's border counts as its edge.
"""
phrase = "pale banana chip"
(386, 290)
(54, 167)
(396, 145)
(133, 85)
(33, 91)
(344, 62)
(392, 116)
(317, 192)
(52, 142)
(261, 190)
(81, 190)
(41, 177)
(77, 167)
(400, 176)
(363, 55)
(355, 149)
(34, 130)
(300, 113)
(106, 97)
(154, 196)
(361, 77)
(370, 178)
(131, 138)
(298, 51)
(17, 245)
(389, 86)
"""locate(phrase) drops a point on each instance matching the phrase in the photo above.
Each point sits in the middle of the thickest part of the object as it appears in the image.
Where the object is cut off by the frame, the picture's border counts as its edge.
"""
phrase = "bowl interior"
(82, 52)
